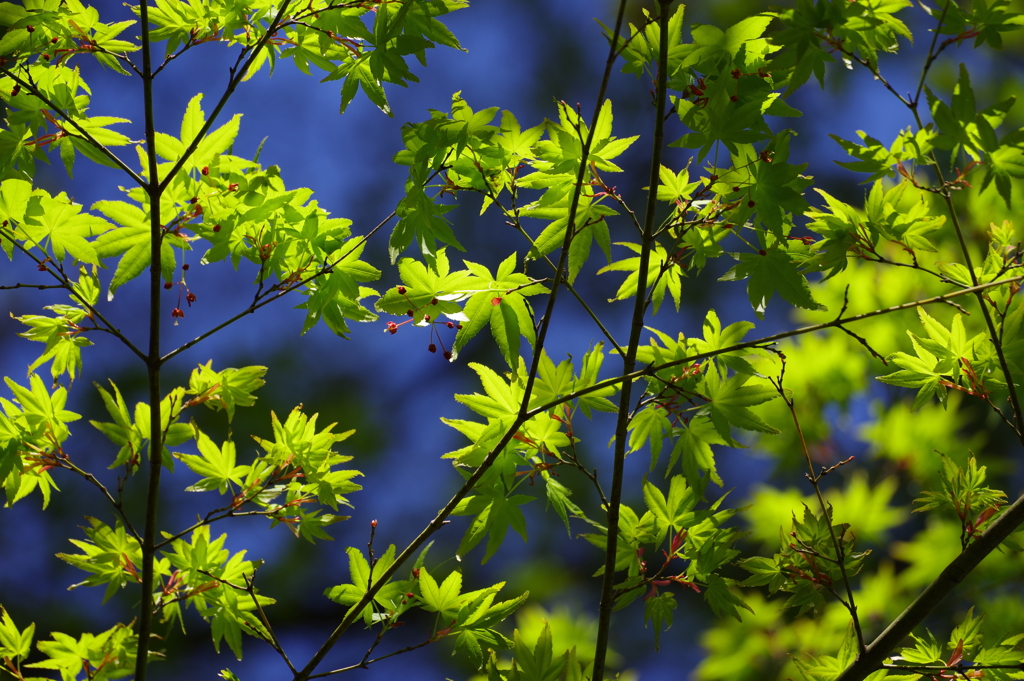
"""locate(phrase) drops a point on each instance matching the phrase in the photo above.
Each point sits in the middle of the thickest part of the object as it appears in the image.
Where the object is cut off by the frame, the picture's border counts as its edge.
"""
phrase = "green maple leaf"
(729, 402)
(772, 271)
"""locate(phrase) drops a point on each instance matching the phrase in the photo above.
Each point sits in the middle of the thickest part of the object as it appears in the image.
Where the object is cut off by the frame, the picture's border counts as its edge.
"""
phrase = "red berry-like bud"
(495, 301)
(15, 91)
(373, 523)
(733, 98)
(750, 203)
(416, 573)
(713, 178)
(233, 187)
(426, 318)
(410, 595)
(41, 267)
(177, 312)
(432, 348)
(46, 56)
(185, 267)
(450, 325)
(401, 290)
(392, 327)
(762, 252)
(458, 326)
(410, 313)
(433, 301)
(194, 199)
(205, 170)
(30, 28)
(54, 40)
(191, 298)
(735, 189)
(168, 284)
(447, 355)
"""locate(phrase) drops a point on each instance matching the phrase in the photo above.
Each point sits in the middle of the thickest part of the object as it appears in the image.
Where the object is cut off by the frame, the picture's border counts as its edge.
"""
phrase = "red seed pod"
(194, 200)
(30, 28)
(450, 325)
(233, 187)
(410, 313)
(762, 252)
(458, 326)
(713, 178)
(216, 228)
(495, 301)
(54, 40)
(401, 290)
(205, 170)
(735, 189)
(373, 523)
(416, 573)
(41, 267)
(432, 348)
(426, 318)
(447, 355)
(184, 267)
(46, 56)
(168, 284)
(410, 595)
(15, 91)
(392, 328)
(433, 301)
(191, 298)
(750, 203)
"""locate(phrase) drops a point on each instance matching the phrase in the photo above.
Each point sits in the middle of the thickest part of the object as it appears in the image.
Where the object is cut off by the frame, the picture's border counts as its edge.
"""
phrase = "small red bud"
(762, 252)
(426, 318)
(433, 301)
(216, 228)
(416, 573)
(191, 298)
(41, 267)
(205, 170)
(447, 355)
(46, 56)
(30, 28)
(185, 267)
(432, 348)
(54, 40)
(392, 328)
(713, 178)
(401, 290)
(15, 91)
(168, 284)
(194, 199)
(458, 326)
(177, 313)
(733, 98)
(373, 523)
(410, 313)
(735, 189)
(450, 325)
(495, 301)
(410, 594)
(750, 203)
(233, 187)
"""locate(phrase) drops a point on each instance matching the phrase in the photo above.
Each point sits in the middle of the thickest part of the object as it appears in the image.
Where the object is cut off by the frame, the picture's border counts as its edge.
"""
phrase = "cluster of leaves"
(745, 205)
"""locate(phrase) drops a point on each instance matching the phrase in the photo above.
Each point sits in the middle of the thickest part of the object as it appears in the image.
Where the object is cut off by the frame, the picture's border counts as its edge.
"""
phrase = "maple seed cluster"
(392, 327)
(177, 312)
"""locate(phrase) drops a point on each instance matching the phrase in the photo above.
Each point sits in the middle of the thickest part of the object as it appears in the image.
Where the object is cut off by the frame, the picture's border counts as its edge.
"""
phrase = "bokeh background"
(522, 55)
